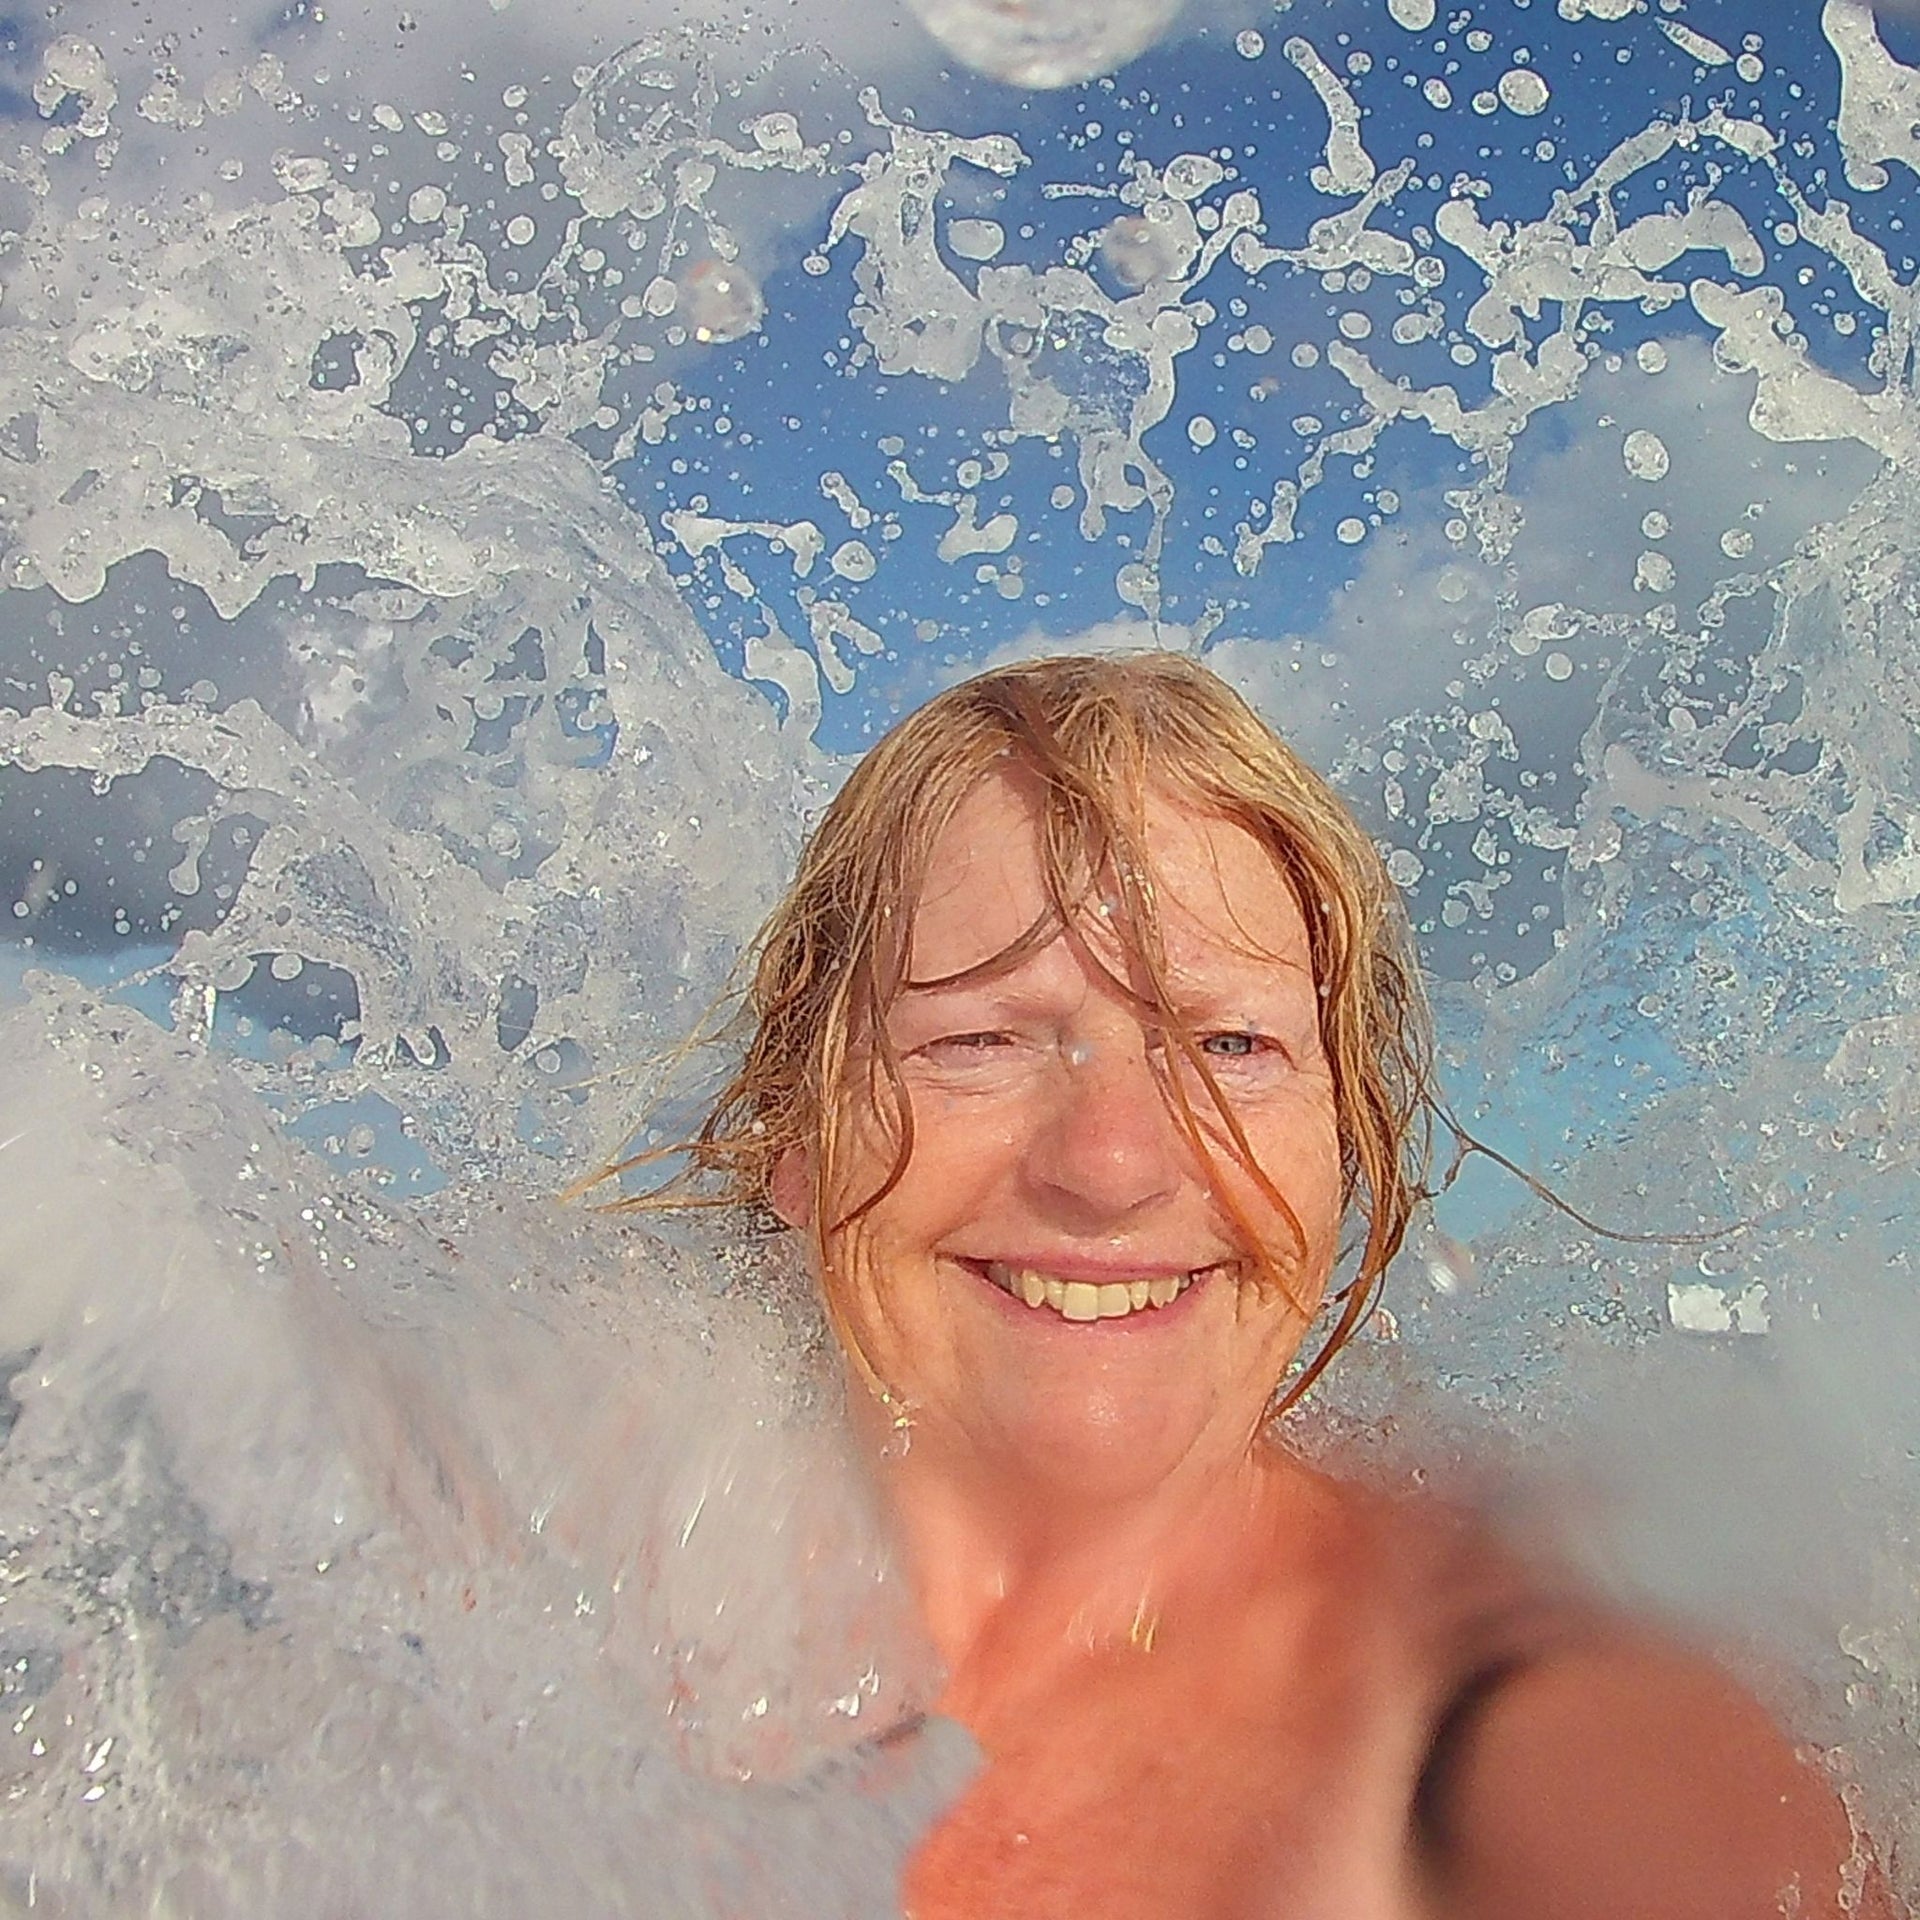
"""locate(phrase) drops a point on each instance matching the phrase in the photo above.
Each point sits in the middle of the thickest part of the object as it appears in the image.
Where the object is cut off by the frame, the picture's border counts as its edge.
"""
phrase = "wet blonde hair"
(1095, 735)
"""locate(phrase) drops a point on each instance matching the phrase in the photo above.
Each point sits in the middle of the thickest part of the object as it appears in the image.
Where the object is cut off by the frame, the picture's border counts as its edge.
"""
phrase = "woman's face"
(1057, 1285)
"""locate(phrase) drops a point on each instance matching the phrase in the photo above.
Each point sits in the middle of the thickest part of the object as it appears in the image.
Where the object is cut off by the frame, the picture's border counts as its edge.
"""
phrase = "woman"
(1089, 1020)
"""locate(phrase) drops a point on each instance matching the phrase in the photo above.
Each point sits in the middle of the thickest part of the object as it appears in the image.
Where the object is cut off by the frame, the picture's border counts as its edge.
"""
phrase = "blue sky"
(793, 390)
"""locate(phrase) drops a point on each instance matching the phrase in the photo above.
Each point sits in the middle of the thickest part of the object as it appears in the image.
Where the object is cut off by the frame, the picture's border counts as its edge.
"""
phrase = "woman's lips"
(1117, 1298)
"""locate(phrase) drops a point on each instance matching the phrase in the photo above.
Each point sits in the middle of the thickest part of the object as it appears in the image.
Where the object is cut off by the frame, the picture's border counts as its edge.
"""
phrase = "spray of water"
(457, 510)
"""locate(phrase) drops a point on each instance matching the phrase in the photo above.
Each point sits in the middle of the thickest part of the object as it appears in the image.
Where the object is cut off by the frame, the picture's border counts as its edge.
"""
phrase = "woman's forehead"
(1215, 885)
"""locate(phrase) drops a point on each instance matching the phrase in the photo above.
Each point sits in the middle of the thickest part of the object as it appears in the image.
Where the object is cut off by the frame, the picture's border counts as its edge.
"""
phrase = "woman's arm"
(1633, 1782)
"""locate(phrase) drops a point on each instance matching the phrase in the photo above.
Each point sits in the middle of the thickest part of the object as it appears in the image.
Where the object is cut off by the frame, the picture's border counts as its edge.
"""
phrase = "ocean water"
(472, 475)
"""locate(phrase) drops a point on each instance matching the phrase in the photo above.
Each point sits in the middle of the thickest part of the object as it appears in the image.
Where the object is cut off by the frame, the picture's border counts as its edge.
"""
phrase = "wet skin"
(1206, 1679)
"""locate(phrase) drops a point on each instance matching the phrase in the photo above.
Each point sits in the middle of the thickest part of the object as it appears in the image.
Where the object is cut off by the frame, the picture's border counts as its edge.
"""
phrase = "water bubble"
(976, 239)
(1449, 1262)
(519, 230)
(1646, 455)
(1452, 585)
(1750, 67)
(720, 302)
(1257, 340)
(1140, 250)
(1355, 325)
(776, 133)
(1251, 45)
(1201, 431)
(1654, 574)
(854, 561)
(1415, 15)
(1350, 532)
(1486, 102)
(1559, 667)
(1189, 175)
(286, 966)
(1438, 94)
(1045, 43)
(1523, 91)
(1736, 543)
(1549, 621)
(1306, 354)
(1404, 867)
(1655, 525)
(425, 205)
(1650, 357)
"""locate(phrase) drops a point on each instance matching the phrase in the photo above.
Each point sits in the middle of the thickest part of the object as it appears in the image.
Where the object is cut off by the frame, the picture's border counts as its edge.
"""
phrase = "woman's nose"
(1106, 1148)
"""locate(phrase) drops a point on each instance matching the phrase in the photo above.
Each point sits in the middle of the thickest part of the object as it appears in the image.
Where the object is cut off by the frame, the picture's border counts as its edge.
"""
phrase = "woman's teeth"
(1082, 1299)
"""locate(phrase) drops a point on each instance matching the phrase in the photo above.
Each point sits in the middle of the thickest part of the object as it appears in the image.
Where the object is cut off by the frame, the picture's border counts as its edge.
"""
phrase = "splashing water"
(469, 484)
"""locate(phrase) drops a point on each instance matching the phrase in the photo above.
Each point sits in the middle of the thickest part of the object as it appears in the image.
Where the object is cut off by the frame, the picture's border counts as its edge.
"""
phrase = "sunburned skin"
(1208, 1682)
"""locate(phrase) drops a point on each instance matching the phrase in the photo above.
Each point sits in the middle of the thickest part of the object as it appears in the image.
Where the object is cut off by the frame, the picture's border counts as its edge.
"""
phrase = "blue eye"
(1230, 1046)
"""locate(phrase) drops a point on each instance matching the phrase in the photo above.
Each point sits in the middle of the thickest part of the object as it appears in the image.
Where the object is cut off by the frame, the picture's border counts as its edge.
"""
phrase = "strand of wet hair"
(1466, 1144)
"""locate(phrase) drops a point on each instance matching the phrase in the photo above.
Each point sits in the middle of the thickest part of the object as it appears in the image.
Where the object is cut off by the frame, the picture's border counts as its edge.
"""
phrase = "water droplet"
(1138, 249)
(1653, 574)
(720, 302)
(854, 561)
(1045, 43)
(1189, 175)
(1449, 1262)
(976, 239)
(1646, 455)
(1523, 91)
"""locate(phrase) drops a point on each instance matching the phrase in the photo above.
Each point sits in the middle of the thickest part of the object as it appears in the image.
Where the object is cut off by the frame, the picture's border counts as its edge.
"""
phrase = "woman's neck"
(1015, 1575)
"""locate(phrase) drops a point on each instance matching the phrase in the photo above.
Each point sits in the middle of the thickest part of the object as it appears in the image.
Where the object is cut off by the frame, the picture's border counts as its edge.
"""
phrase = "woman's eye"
(967, 1042)
(1230, 1046)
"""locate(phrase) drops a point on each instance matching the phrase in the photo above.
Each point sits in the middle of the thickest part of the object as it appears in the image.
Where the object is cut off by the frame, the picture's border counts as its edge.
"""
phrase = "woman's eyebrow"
(1223, 979)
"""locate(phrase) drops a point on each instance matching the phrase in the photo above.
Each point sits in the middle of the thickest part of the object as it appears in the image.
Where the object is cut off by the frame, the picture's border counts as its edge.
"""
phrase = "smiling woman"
(1088, 1020)
(1051, 766)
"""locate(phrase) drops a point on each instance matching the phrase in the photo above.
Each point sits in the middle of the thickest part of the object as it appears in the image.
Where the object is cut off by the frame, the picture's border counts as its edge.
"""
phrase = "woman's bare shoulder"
(1577, 1760)
(1624, 1773)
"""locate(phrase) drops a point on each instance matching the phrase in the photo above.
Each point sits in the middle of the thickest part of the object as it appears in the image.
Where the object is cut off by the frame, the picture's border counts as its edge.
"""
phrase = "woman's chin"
(1093, 1446)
